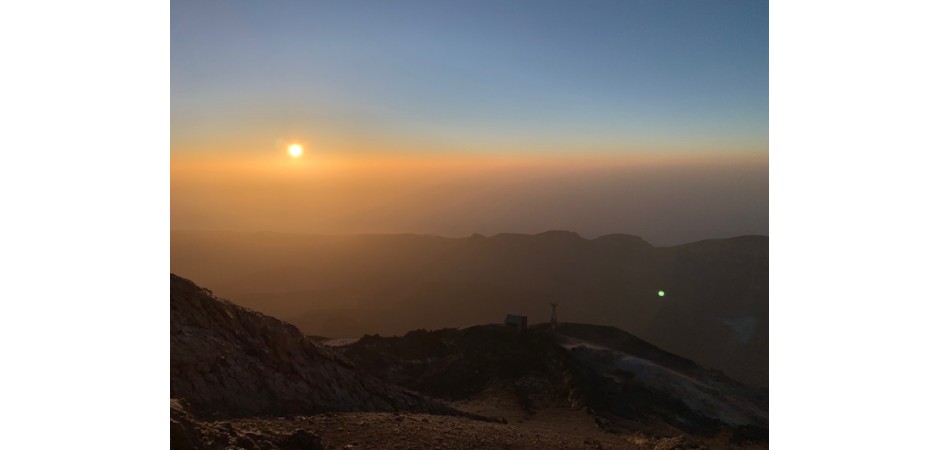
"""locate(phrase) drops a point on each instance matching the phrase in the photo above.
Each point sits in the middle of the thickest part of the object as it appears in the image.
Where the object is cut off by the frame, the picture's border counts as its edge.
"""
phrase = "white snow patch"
(701, 395)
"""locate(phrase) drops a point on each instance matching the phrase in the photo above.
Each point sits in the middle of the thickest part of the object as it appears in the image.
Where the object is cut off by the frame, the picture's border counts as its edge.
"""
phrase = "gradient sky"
(465, 87)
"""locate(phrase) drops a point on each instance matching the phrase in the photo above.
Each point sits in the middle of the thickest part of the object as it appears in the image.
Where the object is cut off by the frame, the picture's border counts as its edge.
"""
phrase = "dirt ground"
(551, 430)
(427, 432)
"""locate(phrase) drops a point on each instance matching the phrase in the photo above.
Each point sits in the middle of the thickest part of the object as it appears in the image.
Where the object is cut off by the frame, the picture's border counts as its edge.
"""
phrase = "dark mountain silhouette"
(228, 361)
(621, 380)
(714, 311)
(240, 379)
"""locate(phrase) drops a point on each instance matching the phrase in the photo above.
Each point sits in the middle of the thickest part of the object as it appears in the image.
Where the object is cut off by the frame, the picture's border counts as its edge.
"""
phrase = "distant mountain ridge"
(714, 308)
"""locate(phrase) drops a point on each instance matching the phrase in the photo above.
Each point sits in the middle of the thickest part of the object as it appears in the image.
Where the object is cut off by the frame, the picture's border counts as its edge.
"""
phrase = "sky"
(455, 117)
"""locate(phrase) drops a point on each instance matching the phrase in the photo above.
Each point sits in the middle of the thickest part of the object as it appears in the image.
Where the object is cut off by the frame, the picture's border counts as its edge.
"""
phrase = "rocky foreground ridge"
(240, 379)
(621, 381)
(228, 361)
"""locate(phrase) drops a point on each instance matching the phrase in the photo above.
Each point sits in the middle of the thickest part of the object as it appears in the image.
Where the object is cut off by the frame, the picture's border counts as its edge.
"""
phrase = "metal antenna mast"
(554, 316)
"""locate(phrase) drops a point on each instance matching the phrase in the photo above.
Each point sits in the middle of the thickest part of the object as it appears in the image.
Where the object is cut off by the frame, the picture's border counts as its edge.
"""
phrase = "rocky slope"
(625, 383)
(228, 361)
(189, 433)
(240, 379)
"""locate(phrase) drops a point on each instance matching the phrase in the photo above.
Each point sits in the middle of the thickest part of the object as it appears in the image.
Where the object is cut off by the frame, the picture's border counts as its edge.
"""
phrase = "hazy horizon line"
(442, 236)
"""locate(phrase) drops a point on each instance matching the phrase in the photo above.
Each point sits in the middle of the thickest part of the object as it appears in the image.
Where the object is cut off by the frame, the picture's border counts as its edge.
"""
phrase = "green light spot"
(662, 293)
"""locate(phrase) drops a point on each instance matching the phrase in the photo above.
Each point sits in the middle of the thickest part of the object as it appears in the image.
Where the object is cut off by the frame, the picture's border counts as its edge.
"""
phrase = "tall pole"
(554, 316)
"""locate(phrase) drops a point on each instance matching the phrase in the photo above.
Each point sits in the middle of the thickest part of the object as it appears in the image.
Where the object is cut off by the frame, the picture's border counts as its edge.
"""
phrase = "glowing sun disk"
(295, 150)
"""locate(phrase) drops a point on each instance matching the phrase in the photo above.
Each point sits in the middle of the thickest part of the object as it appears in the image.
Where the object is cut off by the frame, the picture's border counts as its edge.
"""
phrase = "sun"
(295, 150)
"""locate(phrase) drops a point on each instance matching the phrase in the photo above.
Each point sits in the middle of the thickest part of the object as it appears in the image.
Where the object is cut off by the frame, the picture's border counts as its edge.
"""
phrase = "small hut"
(518, 322)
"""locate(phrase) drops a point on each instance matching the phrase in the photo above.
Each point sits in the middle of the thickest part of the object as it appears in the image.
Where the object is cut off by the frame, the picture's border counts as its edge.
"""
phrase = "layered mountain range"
(713, 307)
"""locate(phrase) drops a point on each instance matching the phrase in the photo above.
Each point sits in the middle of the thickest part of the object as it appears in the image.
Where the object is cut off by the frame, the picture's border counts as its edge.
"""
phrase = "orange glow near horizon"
(457, 195)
